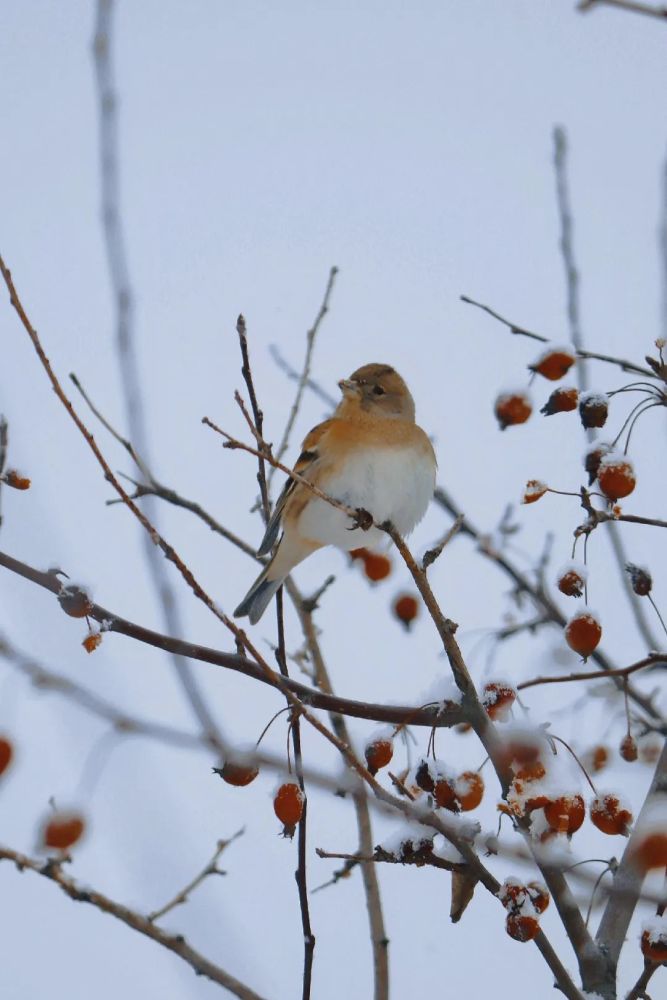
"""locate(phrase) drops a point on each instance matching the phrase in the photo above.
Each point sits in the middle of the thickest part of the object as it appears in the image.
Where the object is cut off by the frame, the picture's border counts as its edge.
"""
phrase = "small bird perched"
(370, 455)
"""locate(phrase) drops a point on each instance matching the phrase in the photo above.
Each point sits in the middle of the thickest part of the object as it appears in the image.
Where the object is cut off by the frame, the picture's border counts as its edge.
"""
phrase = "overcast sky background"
(261, 143)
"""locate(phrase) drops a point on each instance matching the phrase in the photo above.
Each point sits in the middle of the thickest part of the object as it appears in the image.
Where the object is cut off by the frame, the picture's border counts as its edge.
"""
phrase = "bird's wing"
(304, 464)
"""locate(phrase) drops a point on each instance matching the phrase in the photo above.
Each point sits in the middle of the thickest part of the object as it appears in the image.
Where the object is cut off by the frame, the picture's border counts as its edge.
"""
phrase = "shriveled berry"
(534, 490)
(445, 794)
(92, 641)
(592, 459)
(553, 363)
(628, 748)
(640, 579)
(572, 580)
(561, 400)
(594, 409)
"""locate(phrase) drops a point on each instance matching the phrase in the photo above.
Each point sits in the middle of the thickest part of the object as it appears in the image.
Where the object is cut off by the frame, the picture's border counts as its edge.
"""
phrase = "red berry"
(565, 814)
(513, 408)
(522, 928)
(654, 945)
(553, 363)
(237, 773)
(561, 400)
(628, 748)
(539, 895)
(6, 753)
(62, 830)
(583, 633)
(610, 815)
(616, 476)
(469, 790)
(16, 480)
(498, 698)
(406, 609)
(288, 806)
(379, 753)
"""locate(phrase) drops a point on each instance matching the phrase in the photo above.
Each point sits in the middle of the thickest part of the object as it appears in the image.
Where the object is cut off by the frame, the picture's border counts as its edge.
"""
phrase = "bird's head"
(379, 390)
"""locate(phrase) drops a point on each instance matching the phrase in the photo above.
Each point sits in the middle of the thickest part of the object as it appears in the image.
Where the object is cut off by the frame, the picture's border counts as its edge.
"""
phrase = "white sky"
(409, 144)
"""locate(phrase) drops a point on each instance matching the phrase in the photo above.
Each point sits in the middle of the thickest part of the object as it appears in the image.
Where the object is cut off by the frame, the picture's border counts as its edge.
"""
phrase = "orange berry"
(512, 408)
(92, 641)
(534, 490)
(565, 814)
(379, 753)
(16, 480)
(654, 945)
(597, 758)
(237, 773)
(512, 894)
(469, 789)
(497, 698)
(651, 850)
(609, 815)
(406, 609)
(616, 476)
(376, 567)
(6, 753)
(288, 806)
(583, 632)
(62, 830)
(445, 795)
(521, 928)
(357, 554)
(561, 400)
(553, 363)
(628, 748)
(533, 771)
(539, 895)
(75, 601)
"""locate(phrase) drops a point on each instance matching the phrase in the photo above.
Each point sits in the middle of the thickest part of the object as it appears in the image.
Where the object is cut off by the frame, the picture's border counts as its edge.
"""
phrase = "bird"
(372, 456)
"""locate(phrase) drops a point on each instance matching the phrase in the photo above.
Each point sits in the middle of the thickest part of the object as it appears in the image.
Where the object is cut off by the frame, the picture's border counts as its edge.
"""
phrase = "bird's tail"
(256, 601)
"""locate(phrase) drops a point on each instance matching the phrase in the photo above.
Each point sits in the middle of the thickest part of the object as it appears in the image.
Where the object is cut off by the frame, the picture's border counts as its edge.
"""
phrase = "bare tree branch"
(176, 943)
(633, 6)
(211, 868)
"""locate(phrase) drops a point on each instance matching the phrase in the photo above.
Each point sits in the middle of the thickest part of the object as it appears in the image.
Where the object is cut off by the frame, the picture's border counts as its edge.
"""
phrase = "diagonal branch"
(175, 943)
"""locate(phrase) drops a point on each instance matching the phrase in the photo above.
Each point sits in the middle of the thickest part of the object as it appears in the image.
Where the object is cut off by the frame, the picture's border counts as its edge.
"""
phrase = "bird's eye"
(378, 390)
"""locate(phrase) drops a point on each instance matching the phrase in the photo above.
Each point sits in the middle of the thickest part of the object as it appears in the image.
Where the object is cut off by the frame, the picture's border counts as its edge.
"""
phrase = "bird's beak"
(347, 386)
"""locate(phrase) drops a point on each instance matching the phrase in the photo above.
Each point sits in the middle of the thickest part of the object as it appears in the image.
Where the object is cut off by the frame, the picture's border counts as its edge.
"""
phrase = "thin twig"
(632, 6)
(211, 868)
(594, 675)
(567, 247)
(305, 372)
(432, 554)
(4, 442)
(258, 416)
(638, 991)
(294, 375)
(627, 366)
(175, 943)
(123, 299)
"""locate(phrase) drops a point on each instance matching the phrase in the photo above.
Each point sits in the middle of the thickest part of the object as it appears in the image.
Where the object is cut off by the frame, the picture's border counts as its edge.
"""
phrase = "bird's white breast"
(392, 484)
